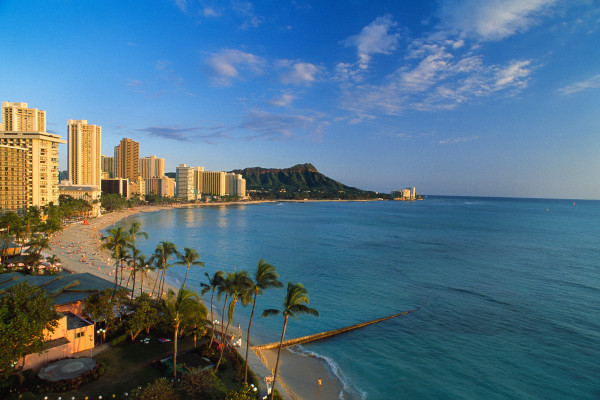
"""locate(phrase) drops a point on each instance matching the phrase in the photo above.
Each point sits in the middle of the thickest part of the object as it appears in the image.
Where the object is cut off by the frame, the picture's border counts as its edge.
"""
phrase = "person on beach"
(320, 383)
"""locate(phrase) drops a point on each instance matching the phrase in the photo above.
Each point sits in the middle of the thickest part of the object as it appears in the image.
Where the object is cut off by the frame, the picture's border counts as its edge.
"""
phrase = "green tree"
(144, 317)
(214, 283)
(188, 257)
(295, 304)
(104, 306)
(26, 315)
(116, 241)
(10, 223)
(266, 277)
(180, 307)
(239, 285)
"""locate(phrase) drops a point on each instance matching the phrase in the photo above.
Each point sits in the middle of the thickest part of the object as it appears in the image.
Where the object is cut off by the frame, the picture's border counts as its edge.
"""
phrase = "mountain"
(298, 182)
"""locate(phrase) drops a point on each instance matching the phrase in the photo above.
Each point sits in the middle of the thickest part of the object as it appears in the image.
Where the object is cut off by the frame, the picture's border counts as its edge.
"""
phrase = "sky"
(463, 97)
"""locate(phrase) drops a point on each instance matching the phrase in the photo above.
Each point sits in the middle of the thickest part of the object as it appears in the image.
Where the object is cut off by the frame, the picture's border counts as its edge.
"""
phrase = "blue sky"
(464, 97)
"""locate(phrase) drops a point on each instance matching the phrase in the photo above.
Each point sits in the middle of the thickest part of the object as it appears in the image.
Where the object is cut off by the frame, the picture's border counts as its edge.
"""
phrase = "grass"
(129, 365)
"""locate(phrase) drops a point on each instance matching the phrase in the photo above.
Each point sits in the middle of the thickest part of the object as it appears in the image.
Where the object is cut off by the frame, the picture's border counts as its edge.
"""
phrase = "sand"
(78, 247)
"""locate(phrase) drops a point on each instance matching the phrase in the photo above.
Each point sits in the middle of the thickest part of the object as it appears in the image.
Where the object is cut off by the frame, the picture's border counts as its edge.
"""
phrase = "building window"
(79, 334)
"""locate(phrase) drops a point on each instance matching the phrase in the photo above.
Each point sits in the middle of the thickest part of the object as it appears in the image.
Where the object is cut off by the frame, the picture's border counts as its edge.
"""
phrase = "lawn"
(128, 365)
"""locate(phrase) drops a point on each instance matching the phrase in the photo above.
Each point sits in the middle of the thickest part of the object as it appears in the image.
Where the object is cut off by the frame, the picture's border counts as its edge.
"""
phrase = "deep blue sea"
(507, 290)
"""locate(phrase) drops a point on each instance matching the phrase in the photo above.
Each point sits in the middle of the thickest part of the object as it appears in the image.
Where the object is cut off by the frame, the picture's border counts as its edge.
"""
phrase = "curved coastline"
(78, 247)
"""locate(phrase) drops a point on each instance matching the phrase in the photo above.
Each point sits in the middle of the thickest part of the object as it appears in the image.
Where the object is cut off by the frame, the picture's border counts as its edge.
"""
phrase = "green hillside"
(301, 181)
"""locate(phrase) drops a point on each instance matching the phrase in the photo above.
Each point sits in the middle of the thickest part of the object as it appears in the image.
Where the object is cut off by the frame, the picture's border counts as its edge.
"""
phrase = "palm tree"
(116, 241)
(141, 268)
(189, 257)
(157, 266)
(239, 285)
(135, 229)
(266, 277)
(162, 252)
(180, 307)
(132, 261)
(213, 284)
(295, 304)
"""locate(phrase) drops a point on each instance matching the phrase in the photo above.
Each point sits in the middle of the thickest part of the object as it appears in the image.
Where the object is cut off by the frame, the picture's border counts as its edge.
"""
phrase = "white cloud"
(513, 74)
(591, 83)
(374, 38)
(227, 64)
(284, 100)
(491, 20)
(210, 12)
(182, 5)
(298, 73)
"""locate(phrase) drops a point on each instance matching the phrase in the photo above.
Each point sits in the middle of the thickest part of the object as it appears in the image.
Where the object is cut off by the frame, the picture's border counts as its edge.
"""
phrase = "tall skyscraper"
(84, 153)
(25, 128)
(127, 160)
(13, 178)
(152, 167)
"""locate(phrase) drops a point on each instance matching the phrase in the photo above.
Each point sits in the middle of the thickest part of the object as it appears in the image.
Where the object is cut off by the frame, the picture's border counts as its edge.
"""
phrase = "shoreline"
(298, 373)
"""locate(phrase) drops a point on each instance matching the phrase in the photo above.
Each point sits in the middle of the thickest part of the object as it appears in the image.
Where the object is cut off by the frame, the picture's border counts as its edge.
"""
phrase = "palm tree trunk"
(155, 282)
(212, 320)
(186, 274)
(222, 335)
(142, 283)
(278, 355)
(248, 338)
(133, 288)
(175, 352)
(116, 274)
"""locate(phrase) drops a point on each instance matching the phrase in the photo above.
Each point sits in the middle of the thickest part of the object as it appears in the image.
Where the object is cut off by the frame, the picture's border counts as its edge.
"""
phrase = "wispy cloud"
(456, 140)
(514, 74)
(245, 10)
(591, 83)
(491, 20)
(298, 73)
(227, 64)
(285, 100)
(376, 38)
(179, 134)
(276, 126)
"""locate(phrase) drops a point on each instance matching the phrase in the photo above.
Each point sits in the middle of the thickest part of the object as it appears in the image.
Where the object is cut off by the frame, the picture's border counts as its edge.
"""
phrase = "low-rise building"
(89, 193)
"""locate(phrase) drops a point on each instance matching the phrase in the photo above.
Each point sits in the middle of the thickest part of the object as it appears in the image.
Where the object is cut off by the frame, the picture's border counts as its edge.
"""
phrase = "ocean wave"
(335, 370)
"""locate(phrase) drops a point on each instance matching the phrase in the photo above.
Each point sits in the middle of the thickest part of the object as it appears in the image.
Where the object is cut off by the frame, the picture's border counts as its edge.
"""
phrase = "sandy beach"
(78, 247)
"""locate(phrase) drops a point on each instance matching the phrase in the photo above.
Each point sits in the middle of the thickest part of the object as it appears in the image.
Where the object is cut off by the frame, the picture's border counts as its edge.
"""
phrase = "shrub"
(160, 389)
(203, 385)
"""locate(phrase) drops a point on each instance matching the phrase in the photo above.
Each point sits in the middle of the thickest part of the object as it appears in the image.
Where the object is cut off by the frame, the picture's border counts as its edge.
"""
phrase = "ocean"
(507, 291)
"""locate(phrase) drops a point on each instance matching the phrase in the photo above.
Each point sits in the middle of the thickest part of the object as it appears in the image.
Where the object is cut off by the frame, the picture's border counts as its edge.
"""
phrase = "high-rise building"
(26, 128)
(13, 178)
(18, 118)
(185, 182)
(213, 183)
(85, 167)
(108, 166)
(235, 185)
(127, 159)
(198, 181)
(152, 167)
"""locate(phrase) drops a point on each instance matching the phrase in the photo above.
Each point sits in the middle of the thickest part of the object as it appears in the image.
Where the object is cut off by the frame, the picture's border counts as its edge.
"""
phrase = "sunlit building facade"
(84, 157)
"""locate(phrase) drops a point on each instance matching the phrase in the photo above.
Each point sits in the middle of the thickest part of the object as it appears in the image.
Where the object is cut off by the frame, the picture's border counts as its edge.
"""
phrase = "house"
(75, 333)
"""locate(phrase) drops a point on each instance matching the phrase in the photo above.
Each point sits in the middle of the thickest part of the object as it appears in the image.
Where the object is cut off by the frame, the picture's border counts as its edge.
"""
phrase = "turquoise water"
(508, 292)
